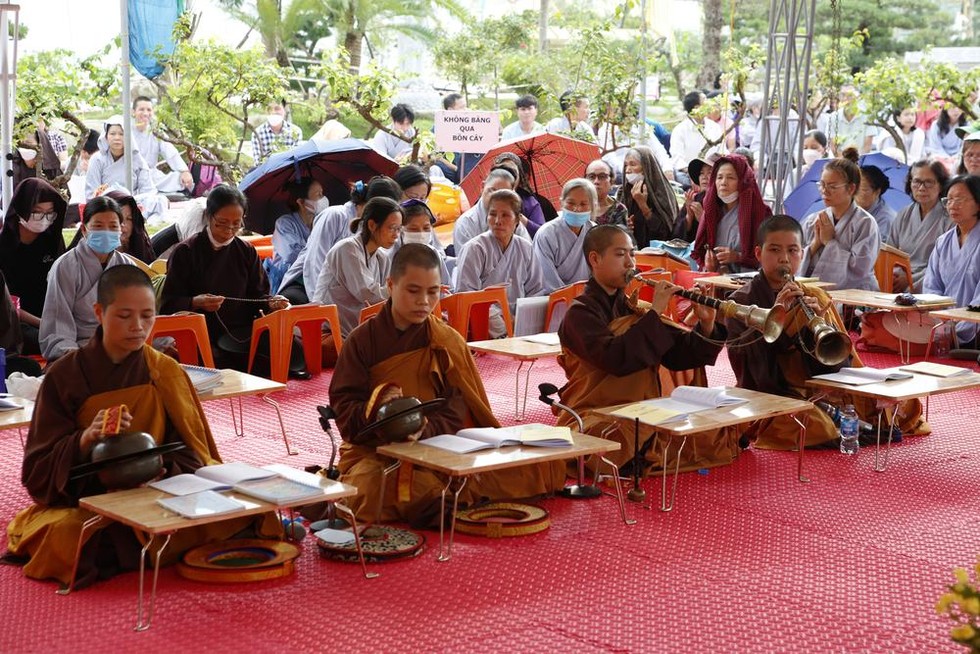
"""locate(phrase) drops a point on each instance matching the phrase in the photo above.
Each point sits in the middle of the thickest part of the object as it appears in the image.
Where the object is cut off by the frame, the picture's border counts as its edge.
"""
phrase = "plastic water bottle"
(3, 370)
(849, 430)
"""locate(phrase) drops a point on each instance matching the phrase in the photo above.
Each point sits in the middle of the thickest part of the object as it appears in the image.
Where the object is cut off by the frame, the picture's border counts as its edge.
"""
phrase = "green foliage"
(369, 94)
(283, 26)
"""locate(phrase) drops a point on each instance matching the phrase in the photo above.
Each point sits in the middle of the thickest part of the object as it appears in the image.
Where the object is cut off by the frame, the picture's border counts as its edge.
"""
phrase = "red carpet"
(750, 560)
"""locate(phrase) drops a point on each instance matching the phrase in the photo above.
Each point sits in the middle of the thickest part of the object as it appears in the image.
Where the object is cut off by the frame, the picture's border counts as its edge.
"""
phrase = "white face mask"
(810, 155)
(634, 178)
(275, 120)
(27, 154)
(38, 225)
(218, 244)
(728, 199)
(422, 238)
(315, 207)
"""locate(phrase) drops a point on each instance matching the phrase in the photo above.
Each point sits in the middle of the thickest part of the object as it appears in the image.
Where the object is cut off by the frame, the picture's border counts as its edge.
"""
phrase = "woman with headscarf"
(733, 211)
(107, 168)
(648, 196)
(30, 241)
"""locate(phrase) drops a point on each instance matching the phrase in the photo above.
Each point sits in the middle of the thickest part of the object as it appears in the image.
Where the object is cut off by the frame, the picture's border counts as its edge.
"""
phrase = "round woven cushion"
(239, 560)
(379, 543)
(503, 519)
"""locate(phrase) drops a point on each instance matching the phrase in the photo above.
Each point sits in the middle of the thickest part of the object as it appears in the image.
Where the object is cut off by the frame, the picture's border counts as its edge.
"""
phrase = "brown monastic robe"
(427, 361)
(612, 355)
(782, 368)
(163, 403)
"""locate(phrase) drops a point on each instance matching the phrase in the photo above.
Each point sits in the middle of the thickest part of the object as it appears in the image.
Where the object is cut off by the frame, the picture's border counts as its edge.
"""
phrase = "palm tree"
(280, 23)
(360, 19)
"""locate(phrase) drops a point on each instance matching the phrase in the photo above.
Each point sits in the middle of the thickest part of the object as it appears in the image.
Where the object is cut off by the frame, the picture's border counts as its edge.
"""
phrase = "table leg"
(140, 624)
(520, 410)
(904, 345)
(237, 421)
(447, 553)
(343, 508)
(20, 433)
(619, 490)
(387, 472)
(88, 524)
(282, 428)
(932, 337)
(888, 445)
(801, 447)
(664, 505)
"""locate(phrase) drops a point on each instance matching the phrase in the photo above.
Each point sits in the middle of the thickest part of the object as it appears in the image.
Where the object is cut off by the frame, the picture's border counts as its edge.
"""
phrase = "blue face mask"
(103, 242)
(575, 218)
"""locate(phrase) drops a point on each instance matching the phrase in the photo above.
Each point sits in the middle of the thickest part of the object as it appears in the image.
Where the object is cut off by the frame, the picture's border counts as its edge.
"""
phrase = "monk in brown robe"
(112, 368)
(782, 367)
(615, 352)
(404, 350)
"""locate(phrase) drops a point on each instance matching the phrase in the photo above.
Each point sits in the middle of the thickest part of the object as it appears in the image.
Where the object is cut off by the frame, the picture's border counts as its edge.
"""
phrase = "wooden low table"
(522, 351)
(953, 315)
(886, 301)
(730, 283)
(760, 406)
(458, 467)
(18, 418)
(138, 508)
(890, 393)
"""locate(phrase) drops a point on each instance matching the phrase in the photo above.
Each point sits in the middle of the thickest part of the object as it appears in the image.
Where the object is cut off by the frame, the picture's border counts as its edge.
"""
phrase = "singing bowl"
(405, 414)
(133, 467)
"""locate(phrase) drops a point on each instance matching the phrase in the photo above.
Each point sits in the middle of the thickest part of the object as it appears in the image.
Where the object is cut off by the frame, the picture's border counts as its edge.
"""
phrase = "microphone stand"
(579, 491)
(636, 494)
(332, 473)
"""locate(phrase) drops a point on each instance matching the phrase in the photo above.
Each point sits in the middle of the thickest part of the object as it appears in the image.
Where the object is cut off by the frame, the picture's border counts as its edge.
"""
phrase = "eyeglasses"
(949, 202)
(38, 217)
(593, 177)
(923, 183)
(232, 227)
(394, 229)
(830, 187)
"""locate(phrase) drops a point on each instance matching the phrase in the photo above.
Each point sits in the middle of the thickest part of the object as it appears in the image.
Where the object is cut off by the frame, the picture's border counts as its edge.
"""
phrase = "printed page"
(711, 397)
(936, 369)
(457, 444)
(200, 504)
(187, 484)
(233, 473)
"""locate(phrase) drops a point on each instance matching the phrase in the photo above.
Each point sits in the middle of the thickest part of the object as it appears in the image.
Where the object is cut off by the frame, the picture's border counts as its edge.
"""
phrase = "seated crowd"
(88, 309)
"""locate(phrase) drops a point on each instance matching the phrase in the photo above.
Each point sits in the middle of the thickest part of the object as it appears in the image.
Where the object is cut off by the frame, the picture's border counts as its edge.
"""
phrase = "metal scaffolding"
(786, 87)
(9, 25)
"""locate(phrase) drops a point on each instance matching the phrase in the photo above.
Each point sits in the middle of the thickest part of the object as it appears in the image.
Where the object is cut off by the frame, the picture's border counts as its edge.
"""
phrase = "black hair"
(402, 112)
(779, 222)
(847, 169)
(299, 190)
(222, 196)
(569, 99)
(600, 238)
(412, 208)
(972, 183)
(377, 211)
(377, 187)
(450, 100)
(526, 101)
(413, 254)
(937, 168)
(944, 124)
(817, 136)
(91, 142)
(117, 277)
(411, 175)
(692, 101)
(101, 204)
(876, 177)
(141, 98)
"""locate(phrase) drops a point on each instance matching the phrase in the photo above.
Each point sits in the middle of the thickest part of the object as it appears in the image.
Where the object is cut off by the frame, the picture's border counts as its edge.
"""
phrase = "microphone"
(546, 390)
(332, 473)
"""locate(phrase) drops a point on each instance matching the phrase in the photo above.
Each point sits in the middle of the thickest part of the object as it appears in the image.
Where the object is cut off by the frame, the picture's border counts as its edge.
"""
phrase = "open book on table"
(936, 369)
(683, 401)
(485, 438)
(863, 376)
(274, 483)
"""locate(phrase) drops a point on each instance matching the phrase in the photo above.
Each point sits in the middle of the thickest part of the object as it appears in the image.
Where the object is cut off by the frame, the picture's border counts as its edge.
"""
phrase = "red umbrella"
(550, 159)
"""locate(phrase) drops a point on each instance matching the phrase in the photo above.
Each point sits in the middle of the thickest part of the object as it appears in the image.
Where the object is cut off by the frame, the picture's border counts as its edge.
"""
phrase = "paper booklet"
(683, 401)
(863, 376)
(274, 483)
(547, 338)
(936, 369)
(485, 438)
(198, 505)
(8, 403)
(203, 379)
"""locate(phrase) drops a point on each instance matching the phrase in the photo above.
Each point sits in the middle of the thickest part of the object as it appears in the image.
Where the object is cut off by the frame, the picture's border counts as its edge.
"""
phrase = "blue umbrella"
(335, 164)
(805, 198)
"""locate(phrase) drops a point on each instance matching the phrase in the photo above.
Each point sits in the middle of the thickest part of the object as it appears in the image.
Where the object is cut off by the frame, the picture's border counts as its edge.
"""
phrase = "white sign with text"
(467, 131)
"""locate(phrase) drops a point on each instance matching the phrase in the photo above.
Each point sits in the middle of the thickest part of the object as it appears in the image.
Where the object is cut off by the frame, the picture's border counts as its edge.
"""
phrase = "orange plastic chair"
(191, 333)
(646, 261)
(562, 296)
(687, 277)
(371, 311)
(264, 251)
(645, 291)
(309, 318)
(257, 240)
(469, 312)
(885, 264)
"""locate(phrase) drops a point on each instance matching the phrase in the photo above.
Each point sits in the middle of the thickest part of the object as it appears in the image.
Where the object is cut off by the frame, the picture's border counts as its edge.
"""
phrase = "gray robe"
(849, 259)
(352, 280)
(917, 236)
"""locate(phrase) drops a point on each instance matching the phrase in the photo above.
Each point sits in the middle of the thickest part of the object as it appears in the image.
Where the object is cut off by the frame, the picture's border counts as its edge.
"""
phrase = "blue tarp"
(151, 25)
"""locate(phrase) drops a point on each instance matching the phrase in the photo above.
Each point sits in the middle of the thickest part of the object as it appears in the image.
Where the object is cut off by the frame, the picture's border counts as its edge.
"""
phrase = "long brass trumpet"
(830, 345)
(768, 321)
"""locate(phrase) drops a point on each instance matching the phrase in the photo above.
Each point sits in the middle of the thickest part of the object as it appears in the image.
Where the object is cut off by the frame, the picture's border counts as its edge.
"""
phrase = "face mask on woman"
(810, 155)
(575, 218)
(104, 241)
(728, 199)
(422, 238)
(38, 222)
(634, 178)
(316, 206)
(216, 243)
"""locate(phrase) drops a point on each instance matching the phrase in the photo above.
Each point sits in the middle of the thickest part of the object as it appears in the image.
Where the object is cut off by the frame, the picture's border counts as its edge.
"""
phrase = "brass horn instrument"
(769, 322)
(830, 345)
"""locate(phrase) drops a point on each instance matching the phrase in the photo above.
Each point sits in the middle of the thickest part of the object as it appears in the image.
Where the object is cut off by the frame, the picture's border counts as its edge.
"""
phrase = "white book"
(683, 401)
(8, 403)
(233, 473)
(335, 536)
(187, 484)
(474, 439)
(279, 490)
(199, 505)
(547, 338)
(865, 375)
(203, 379)
(936, 369)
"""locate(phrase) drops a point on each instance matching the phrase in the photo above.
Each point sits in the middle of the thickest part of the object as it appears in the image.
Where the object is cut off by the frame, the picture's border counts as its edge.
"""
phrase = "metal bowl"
(407, 421)
(132, 469)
